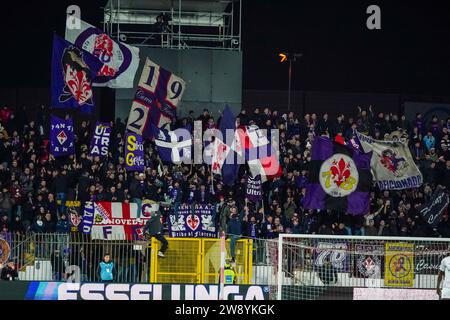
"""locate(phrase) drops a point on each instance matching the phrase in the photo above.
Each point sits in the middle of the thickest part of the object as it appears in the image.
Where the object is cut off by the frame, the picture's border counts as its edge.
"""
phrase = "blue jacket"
(429, 142)
(106, 271)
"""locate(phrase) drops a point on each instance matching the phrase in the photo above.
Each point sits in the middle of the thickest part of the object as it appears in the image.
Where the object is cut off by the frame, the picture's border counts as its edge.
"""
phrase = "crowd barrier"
(197, 260)
(75, 256)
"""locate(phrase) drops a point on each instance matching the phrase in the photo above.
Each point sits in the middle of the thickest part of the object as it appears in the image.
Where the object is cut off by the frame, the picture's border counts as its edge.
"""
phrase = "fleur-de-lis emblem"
(340, 172)
(78, 84)
(340, 175)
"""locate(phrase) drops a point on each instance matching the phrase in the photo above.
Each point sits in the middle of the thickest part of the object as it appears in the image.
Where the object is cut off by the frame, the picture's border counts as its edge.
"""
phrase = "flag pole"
(212, 179)
(162, 167)
(222, 266)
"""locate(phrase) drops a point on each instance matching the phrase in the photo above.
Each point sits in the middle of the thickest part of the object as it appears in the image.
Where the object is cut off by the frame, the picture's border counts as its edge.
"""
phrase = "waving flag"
(259, 153)
(156, 100)
(433, 211)
(392, 164)
(172, 147)
(119, 61)
(73, 70)
(224, 162)
(61, 137)
(339, 178)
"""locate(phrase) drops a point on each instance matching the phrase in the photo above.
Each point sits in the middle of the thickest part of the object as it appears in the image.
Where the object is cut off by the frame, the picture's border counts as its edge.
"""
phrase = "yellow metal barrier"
(197, 260)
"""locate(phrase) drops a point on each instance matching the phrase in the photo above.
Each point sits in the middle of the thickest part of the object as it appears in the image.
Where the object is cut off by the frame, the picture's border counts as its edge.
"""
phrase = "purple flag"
(72, 72)
(339, 178)
(100, 139)
(61, 137)
(253, 190)
(134, 152)
(225, 159)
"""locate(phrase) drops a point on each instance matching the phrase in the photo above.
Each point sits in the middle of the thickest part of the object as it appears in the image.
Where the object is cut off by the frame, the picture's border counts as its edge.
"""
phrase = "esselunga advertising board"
(123, 291)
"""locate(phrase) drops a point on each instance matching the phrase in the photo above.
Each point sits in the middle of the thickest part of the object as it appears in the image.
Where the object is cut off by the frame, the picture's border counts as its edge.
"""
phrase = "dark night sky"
(411, 54)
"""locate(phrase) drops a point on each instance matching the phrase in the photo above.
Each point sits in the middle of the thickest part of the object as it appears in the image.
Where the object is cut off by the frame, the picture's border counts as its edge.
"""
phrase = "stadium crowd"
(34, 185)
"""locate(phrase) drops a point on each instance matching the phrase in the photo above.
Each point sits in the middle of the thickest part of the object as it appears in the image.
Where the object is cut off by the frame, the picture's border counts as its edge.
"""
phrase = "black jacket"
(153, 225)
(136, 191)
(60, 184)
(49, 226)
(9, 274)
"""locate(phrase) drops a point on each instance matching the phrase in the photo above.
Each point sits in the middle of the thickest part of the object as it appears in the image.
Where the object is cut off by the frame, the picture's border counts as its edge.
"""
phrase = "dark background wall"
(301, 102)
(213, 79)
(32, 98)
(339, 102)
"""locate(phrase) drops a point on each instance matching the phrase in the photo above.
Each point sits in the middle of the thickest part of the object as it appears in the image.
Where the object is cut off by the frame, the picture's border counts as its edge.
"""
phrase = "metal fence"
(74, 256)
(263, 257)
(297, 266)
(331, 267)
(197, 260)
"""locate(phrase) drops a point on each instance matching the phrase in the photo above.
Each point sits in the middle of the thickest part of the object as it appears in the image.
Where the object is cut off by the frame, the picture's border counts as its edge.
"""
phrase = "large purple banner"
(339, 178)
(100, 139)
(192, 221)
(134, 152)
(61, 137)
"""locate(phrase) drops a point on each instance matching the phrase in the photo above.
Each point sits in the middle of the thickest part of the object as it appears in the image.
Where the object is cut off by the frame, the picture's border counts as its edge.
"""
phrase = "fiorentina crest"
(338, 175)
(77, 77)
(339, 178)
(73, 71)
(193, 222)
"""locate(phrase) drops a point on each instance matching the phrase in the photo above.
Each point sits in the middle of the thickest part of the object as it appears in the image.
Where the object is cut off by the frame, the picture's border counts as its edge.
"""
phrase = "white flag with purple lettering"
(392, 164)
